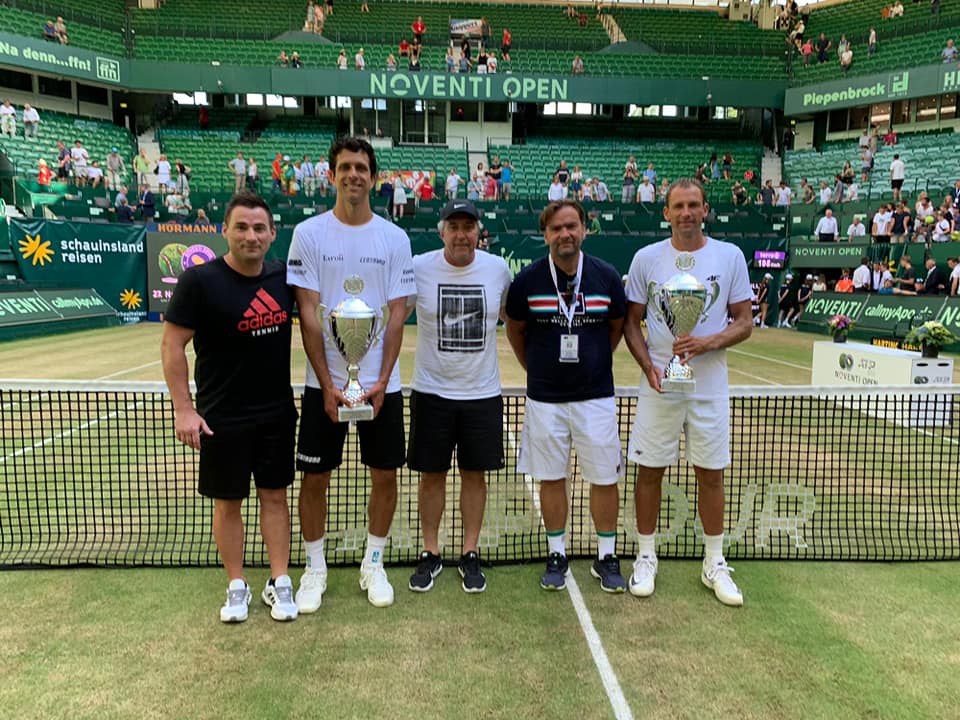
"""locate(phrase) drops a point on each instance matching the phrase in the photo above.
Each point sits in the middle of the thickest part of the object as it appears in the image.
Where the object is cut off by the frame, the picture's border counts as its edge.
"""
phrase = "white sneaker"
(764, 326)
(238, 598)
(312, 586)
(643, 579)
(717, 578)
(373, 579)
(279, 597)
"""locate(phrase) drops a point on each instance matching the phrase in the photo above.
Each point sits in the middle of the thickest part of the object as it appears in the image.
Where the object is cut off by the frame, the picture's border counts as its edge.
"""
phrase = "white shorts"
(660, 418)
(590, 426)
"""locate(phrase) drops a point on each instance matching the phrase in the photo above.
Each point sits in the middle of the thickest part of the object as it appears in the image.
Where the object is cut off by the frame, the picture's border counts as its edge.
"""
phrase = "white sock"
(375, 547)
(315, 558)
(557, 543)
(713, 549)
(646, 545)
(606, 545)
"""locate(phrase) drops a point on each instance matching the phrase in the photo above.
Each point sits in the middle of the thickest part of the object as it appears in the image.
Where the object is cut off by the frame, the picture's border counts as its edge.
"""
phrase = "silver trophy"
(682, 302)
(352, 326)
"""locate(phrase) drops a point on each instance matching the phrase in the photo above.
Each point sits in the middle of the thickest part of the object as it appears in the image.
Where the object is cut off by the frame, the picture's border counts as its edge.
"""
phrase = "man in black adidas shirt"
(237, 310)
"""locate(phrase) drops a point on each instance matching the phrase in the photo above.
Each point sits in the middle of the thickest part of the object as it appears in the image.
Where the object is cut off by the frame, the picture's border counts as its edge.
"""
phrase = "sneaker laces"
(716, 571)
(426, 564)
(555, 562)
(313, 579)
(610, 563)
(237, 597)
(645, 565)
(471, 564)
(376, 576)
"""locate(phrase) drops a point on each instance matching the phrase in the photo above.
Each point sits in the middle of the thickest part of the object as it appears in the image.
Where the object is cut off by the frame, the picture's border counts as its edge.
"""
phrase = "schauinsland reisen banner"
(111, 259)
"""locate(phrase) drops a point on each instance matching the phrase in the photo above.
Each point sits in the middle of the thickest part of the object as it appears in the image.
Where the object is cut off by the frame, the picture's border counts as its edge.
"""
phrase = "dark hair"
(686, 182)
(553, 208)
(247, 199)
(353, 144)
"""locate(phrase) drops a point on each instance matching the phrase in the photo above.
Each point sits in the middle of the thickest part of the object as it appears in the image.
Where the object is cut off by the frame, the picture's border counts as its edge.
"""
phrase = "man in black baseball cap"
(459, 207)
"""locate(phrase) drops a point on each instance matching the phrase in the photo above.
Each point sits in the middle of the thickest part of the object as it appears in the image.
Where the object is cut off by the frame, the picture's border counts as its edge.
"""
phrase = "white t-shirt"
(8, 112)
(955, 273)
(31, 115)
(825, 195)
(491, 65)
(359, 62)
(721, 268)
(857, 230)
(556, 192)
(862, 276)
(94, 172)
(897, 170)
(79, 156)
(647, 192)
(239, 166)
(163, 172)
(324, 253)
(457, 311)
(826, 226)
(943, 231)
(453, 182)
(783, 196)
(880, 221)
(321, 169)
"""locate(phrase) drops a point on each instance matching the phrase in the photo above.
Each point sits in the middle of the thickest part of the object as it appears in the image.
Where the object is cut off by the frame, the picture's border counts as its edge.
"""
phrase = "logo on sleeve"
(264, 315)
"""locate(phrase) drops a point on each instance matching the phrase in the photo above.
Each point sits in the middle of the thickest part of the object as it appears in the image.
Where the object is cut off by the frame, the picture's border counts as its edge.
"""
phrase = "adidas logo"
(264, 312)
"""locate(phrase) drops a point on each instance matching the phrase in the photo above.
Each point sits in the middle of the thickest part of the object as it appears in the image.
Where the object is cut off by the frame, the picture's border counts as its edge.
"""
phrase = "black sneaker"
(555, 576)
(474, 580)
(428, 568)
(607, 571)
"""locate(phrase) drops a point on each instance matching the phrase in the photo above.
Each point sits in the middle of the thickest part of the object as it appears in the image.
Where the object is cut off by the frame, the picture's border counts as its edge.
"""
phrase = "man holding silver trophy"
(456, 401)
(564, 320)
(352, 273)
(695, 295)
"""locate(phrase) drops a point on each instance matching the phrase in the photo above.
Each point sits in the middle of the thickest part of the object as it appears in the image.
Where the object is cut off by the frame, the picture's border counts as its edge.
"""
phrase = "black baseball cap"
(459, 207)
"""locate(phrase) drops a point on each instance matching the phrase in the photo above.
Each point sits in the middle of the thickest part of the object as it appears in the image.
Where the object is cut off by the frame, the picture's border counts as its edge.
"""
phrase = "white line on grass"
(767, 358)
(608, 677)
(118, 373)
(755, 377)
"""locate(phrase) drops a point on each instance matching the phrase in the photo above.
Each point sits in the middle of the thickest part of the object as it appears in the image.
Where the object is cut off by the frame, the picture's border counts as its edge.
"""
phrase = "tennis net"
(91, 474)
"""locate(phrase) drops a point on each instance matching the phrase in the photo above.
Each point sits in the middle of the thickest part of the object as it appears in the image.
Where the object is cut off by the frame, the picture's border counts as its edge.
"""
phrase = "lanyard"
(567, 312)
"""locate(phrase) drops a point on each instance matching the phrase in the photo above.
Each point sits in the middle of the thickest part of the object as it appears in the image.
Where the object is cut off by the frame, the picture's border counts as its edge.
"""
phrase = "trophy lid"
(353, 308)
(682, 281)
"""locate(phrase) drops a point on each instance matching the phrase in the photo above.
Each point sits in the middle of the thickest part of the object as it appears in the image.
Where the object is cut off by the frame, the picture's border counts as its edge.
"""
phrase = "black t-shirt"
(766, 195)
(242, 339)
(563, 174)
(495, 171)
(532, 298)
(762, 293)
(897, 228)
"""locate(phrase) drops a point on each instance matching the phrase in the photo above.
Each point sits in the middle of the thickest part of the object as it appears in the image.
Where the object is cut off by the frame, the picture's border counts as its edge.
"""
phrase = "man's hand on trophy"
(689, 346)
(333, 398)
(374, 395)
(654, 376)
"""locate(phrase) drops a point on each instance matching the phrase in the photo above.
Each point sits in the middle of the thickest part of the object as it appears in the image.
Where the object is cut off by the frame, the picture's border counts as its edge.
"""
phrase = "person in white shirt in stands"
(322, 173)
(452, 185)
(646, 191)
(897, 174)
(359, 62)
(853, 192)
(942, 229)
(95, 174)
(954, 265)
(882, 220)
(557, 191)
(31, 121)
(79, 156)
(856, 230)
(8, 119)
(879, 276)
(826, 194)
(861, 276)
(783, 195)
(460, 296)
(491, 63)
(827, 230)
(601, 190)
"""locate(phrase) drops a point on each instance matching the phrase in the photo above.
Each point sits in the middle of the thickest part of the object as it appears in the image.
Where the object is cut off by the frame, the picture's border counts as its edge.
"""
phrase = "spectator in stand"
(95, 174)
(253, 176)
(896, 10)
(943, 228)
(897, 175)
(701, 174)
(491, 63)
(490, 188)
(44, 175)
(359, 62)
(663, 190)
(282, 59)
(853, 193)
(954, 265)
(924, 208)
(463, 65)
(846, 58)
(872, 42)
(31, 121)
(309, 183)
(575, 183)
(328, 7)
(820, 284)
(630, 175)
(646, 192)
(115, 169)
(766, 194)
(465, 49)
(823, 47)
(419, 28)
(50, 32)
(450, 60)
(495, 171)
(934, 281)
(474, 188)
(807, 194)
(276, 174)
(557, 190)
(588, 193)
(423, 190)
(902, 226)
(482, 61)
(890, 139)
(79, 157)
(827, 230)
(577, 65)
(906, 277)
(842, 45)
(866, 165)
(887, 288)
(806, 51)
(784, 195)
(295, 61)
(404, 49)
(563, 173)
(651, 174)
(485, 32)
(882, 221)
(856, 231)
(600, 190)
(342, 59)
(399, 196)
(64, 162)
(594, 227)
(727, 165)
(8, 119)
(61, 29)
(125, 212)
(364, 6)
(739, 194)
(414, 65)
(845, 283)
(141, 166)
(506, 45)
(452, 185)
(183, 178)
(861, 276)
(162, 171)
(146, 204)
(392, 63)
(879, 276)
(949, 54)
(202, 218)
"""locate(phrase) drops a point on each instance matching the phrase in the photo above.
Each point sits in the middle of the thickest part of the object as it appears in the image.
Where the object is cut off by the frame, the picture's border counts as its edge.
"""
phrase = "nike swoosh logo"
(449, 320)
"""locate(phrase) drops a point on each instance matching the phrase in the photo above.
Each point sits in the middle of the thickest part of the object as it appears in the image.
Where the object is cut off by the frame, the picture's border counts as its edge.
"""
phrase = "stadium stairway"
(771, 167)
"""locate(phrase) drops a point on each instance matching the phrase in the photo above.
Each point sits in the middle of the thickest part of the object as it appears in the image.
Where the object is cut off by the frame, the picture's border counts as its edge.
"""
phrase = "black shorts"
(896, 184)
(437, 425)
(788, 304)
(231, 455)
(320, 444)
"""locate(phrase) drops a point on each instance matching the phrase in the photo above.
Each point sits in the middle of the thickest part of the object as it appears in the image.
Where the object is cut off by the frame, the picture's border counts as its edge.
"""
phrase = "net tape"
(91, 474)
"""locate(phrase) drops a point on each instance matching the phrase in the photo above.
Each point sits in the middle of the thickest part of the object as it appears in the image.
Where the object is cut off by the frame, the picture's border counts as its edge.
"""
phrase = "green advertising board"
(41, 306)
(823, 306)
(827, 255)
(893, 314)
(107, 258)
(50, 57)
(913, 82)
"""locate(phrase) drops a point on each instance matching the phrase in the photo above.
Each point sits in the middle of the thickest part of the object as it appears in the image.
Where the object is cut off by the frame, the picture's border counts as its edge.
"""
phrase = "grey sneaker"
(238, 598)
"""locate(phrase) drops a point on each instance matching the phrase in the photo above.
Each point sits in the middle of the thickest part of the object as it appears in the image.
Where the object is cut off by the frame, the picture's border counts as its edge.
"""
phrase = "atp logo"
(130, 299)
(36, 250)
(846, 361)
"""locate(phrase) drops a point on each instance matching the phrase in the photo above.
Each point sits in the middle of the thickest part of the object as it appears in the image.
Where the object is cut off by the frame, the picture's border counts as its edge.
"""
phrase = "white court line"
(608, 677)
(755, 377)
(118, 373)
(768, 359)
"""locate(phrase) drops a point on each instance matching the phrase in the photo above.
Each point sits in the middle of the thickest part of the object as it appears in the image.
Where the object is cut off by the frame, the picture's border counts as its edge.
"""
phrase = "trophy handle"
(382, 322)
(324, 317)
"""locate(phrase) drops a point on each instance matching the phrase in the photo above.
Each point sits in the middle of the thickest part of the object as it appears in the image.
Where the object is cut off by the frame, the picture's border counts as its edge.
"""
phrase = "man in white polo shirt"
(856, 230)
(826, 230)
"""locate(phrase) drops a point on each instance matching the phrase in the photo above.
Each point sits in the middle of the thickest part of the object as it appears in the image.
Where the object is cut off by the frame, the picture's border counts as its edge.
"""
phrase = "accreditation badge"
(569, 348)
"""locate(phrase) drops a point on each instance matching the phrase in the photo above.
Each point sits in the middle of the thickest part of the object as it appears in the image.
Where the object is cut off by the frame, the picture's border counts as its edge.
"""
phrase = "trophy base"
(357, 413)
(678, 385)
